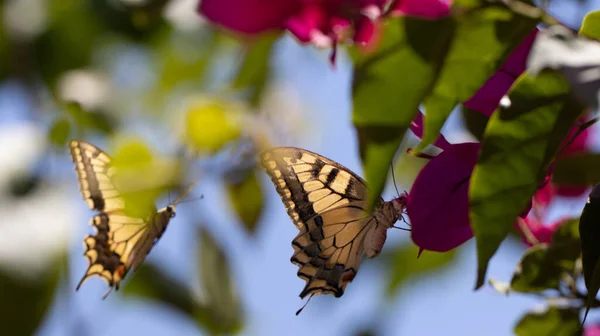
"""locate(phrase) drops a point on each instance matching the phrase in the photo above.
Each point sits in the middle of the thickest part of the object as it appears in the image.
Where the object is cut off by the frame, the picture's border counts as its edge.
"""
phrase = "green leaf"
(577, 170)
(255, 69)
(220, 311)
(566, 238)
(475, 122)
(589, 231)
(518, 145)
(404, 264)
(553, 322)
(24, 301)
(247, 199)
(484, 38)
(385, 101)
(590, 27)
(542, 267)
(151, 282)
(59, 132)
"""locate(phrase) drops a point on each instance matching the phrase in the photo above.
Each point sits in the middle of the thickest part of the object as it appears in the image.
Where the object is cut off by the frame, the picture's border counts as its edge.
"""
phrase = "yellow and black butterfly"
(327, 203)
(122, 241)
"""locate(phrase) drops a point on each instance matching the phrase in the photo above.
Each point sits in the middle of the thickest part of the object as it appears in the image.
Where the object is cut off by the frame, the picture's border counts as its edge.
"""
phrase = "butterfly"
(121, 241)
(327, 203)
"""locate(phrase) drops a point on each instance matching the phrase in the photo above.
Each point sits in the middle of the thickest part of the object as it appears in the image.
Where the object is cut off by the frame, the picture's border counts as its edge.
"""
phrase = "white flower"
(35, 228)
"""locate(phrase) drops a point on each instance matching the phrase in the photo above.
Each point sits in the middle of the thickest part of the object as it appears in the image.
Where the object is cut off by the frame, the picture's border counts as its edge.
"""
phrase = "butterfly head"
(168, 211)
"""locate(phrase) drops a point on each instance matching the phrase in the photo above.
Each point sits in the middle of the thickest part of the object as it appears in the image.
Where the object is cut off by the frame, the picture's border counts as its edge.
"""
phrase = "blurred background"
(152, 74)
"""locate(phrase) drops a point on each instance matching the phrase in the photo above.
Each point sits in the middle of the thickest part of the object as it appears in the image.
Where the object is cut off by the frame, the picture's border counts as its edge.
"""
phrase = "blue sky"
(442, 304)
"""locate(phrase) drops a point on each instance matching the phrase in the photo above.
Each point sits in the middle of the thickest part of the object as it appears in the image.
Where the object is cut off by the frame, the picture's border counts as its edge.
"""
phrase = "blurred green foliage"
(247, 200)
(577, 170)
(217, 310)
(24, 300)
(555, 321)
(406, 265)
(255, 69)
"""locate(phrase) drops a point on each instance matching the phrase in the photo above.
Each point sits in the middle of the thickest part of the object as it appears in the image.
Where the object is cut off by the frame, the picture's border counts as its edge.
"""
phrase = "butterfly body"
(327, 203)
(121, 241)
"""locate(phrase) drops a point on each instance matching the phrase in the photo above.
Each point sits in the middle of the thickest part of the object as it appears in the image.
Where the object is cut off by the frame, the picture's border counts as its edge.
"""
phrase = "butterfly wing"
(114, 248)
(327, 203)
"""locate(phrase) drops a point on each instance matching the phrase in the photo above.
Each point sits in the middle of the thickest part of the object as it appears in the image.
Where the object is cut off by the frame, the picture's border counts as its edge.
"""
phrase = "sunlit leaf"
(555, 321)
(404, 264)
(590, 27)
(589, 231)
(577, 170)
(151, 282)
(24, 301)
(247, 199)
(483, 40)
(210, 125)
(255, 69)
(142, 176)
(519, 143)
(220, 310)
(411, 48)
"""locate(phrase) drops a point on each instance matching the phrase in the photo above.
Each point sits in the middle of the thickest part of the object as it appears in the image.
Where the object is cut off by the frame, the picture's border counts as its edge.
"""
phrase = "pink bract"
(323, 23)
(437, 204)
(430, 9)
(593, 330)
(248, 16)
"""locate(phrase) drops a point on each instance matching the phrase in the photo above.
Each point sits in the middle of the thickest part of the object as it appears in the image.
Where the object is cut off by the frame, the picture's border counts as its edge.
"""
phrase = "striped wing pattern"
(112, 249)
(326, 202)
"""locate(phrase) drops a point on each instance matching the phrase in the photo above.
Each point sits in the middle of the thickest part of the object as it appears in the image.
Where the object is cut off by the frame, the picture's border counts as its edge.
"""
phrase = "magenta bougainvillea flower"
(323, 23)
(537, 231)
(417, 128)
(593, 330)
(438, 202)
(430, 9)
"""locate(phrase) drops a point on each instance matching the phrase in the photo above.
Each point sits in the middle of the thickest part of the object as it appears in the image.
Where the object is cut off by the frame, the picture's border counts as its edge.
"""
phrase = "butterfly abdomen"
(375, 240)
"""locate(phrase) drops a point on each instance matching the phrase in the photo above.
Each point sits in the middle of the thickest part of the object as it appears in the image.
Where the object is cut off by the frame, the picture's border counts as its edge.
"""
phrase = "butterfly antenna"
(107, 292)
(300, 310)
(192, 199)
(185, 193)
(401, 228)
(394, 179)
